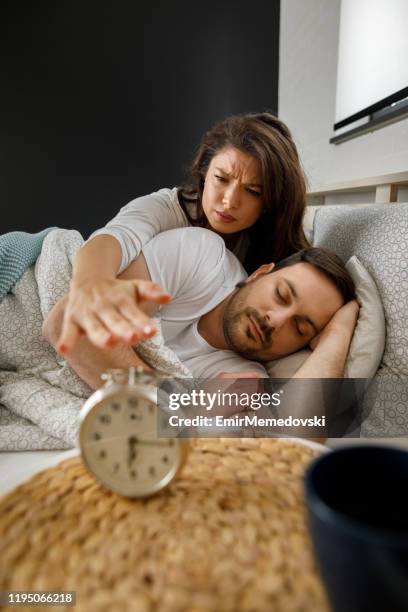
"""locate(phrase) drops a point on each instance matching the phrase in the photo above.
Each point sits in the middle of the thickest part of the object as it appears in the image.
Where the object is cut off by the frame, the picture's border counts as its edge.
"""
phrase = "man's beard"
(235, 326)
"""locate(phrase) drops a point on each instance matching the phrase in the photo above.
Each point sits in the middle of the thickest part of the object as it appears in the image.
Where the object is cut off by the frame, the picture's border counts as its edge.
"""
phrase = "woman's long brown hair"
(278, 232)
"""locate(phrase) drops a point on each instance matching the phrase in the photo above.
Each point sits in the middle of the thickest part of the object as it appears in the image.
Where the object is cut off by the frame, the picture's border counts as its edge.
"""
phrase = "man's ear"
(264, 269)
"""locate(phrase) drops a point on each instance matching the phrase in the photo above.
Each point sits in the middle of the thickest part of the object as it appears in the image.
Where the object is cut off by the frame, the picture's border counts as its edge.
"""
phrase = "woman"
(247, 186)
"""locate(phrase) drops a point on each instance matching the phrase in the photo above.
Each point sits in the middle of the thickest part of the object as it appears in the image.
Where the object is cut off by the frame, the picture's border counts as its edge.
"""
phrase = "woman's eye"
(222, 179)
(254, 193)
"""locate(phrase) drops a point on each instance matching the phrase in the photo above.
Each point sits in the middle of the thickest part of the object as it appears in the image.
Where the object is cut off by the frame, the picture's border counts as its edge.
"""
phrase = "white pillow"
(367, 345)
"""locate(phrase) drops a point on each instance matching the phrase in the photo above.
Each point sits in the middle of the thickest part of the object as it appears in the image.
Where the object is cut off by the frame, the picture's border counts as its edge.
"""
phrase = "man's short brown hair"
(327, 262)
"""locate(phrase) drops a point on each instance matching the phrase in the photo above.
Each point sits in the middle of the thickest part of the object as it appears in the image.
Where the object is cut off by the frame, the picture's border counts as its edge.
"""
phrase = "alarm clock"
(118, 436)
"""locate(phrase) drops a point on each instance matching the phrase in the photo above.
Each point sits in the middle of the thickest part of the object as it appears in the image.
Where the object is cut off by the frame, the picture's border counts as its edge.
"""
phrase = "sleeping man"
(221, 323)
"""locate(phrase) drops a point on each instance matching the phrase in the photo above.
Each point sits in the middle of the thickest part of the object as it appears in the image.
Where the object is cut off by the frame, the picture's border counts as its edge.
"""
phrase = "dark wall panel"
(104, 101)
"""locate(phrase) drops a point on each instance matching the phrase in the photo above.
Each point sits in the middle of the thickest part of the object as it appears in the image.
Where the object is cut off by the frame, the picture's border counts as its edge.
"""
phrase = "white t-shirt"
(196, 268)
(145, 217)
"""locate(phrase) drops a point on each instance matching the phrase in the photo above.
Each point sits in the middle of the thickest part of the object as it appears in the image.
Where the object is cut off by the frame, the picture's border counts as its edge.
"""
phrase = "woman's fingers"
(108, 312)
(69, 336)
(144, 326)
(128, 324)
(97, 332)
(147, 290)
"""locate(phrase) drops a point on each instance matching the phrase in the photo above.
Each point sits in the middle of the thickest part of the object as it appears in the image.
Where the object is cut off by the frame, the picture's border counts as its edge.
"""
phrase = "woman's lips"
(224, 217)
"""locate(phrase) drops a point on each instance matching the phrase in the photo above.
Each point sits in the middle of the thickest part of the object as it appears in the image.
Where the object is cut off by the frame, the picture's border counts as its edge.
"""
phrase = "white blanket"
(40, 395)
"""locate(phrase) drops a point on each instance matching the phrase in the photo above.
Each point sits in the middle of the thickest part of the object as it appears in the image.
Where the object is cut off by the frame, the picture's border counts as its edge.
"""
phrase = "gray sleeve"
(142, 219)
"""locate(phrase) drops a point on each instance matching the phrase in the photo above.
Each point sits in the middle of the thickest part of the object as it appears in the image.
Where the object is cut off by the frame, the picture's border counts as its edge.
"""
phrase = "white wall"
(307, 100)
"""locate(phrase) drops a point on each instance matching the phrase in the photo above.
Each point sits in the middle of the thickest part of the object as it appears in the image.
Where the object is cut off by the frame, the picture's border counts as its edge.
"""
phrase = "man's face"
(279, 313)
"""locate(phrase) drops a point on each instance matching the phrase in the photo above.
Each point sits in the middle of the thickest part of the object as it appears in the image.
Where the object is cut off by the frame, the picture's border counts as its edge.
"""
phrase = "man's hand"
(331, 346)
(342, 323)
(107, 311)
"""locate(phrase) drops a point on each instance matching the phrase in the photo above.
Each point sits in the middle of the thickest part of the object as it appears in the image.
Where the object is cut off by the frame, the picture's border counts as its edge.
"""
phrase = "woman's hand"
(108, 310)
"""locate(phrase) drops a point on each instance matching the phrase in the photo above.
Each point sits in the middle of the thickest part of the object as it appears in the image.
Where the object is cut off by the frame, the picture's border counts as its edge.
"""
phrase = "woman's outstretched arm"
(103, 307)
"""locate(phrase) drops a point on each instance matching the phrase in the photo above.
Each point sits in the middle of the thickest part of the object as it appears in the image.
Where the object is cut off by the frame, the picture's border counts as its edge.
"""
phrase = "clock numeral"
(133, 473)
(116, 468)
(165, 459)
(102, 454)
(97, 436)
(136, 417)
(152, 470)
(115, 406)
(105, 419)
(132, 401)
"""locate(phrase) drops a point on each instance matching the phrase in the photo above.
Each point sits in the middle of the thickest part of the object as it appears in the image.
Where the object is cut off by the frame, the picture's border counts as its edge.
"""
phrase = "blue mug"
(357, 499)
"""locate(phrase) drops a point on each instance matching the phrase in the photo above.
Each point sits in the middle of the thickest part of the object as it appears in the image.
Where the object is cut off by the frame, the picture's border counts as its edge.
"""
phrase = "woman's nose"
(231, 197)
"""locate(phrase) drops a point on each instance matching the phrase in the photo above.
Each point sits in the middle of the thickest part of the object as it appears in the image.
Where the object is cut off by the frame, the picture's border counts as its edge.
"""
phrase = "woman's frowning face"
(233, 191)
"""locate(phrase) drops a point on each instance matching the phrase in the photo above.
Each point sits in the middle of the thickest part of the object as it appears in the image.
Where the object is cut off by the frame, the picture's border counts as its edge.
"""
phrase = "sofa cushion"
(378, 236)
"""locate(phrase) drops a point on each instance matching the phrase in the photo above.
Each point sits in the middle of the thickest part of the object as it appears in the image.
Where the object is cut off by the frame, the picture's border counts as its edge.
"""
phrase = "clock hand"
(132, 453)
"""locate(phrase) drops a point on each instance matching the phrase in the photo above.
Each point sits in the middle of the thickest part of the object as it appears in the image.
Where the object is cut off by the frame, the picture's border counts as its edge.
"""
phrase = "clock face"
(121, 448)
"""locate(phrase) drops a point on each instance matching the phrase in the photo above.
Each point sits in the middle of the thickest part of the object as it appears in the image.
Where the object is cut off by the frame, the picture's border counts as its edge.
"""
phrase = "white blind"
(373, 53)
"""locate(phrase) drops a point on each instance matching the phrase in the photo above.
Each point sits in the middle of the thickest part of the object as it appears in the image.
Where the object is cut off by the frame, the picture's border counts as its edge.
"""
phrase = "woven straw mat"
(229, 534)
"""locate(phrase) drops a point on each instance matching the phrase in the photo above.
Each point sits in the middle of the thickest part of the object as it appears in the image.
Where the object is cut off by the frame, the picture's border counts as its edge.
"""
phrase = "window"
(372, 71)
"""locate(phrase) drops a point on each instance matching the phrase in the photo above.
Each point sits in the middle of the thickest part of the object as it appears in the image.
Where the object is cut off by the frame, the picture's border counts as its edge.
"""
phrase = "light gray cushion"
(378, 236)
(367, 345)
